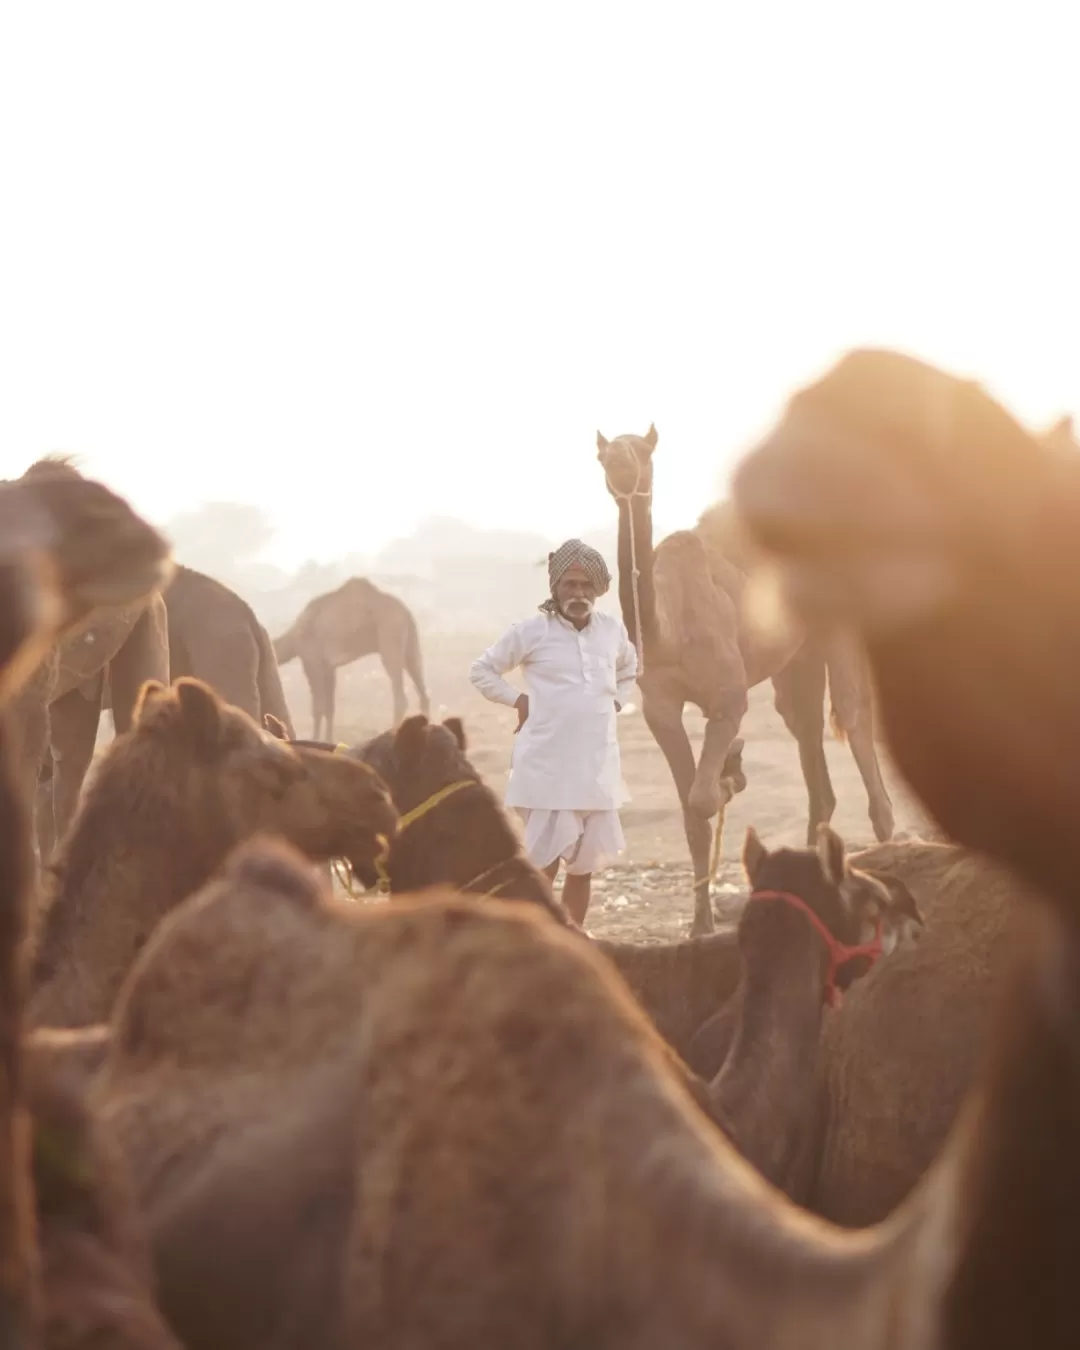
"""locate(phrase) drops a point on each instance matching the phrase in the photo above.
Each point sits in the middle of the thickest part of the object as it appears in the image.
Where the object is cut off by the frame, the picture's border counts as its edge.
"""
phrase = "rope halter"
(839, 952)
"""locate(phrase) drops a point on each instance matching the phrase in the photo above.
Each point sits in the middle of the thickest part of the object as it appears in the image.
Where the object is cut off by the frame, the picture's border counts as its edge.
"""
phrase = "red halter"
(839, 953)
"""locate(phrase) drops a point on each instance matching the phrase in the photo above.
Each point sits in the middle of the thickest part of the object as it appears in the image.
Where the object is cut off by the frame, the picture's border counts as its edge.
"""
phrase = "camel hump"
(692, 611)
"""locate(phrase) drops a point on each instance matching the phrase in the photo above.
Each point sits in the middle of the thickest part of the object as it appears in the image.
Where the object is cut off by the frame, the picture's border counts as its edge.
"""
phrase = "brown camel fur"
(680, 984)
(911, 870)
(898, 1059)
(434, 1068)
(73, 1271)
(1062, 436)
(907, 502)
(764, 1096)
(193, 778)
(60, 707)
(698, 647)
(504, 1087)
(466, 839)
(358, 619)
(215, 637)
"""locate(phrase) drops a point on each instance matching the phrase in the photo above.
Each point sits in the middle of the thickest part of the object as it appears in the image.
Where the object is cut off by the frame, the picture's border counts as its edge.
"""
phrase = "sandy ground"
(647, 896)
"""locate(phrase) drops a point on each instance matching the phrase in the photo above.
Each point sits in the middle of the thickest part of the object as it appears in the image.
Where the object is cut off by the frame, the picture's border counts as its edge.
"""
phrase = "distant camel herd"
(237, 1112)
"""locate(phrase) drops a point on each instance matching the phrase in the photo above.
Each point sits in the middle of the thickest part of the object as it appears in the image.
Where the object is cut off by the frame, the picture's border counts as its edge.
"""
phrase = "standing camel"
(335, 629)
(60, 705)
(213, 635)
(694, 646)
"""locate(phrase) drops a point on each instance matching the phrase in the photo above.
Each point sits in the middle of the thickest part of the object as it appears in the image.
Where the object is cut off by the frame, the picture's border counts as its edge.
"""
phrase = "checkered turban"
(576, 554)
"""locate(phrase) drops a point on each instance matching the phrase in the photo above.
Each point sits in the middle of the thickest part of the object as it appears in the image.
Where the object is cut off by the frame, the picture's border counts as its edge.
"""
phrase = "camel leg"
(864, 751)
(315, 671)
(708, 793)
(421, 690)
(853, 714)
(329, 699)
(800, 701)
(73, 727)
(664, 721)
(46, 826)
(396, 674)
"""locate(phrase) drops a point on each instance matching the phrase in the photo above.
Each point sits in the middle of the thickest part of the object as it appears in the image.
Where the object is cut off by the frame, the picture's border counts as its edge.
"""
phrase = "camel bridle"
(839, 952)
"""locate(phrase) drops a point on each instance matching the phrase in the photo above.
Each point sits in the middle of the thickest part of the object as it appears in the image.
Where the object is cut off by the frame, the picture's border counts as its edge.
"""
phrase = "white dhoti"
(584, 840)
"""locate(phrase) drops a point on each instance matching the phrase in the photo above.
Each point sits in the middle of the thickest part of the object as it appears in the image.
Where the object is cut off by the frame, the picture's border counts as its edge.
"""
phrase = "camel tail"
(271, 693)
(287, 646)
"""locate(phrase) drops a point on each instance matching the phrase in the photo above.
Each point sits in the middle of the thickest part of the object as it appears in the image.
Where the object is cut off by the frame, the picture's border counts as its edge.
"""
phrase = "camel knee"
(710, 792)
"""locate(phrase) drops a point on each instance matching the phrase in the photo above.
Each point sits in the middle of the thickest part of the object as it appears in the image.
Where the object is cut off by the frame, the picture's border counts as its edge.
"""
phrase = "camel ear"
(1063, 426)
(410, 739)
(149, 694)
(275, 726)
(200, 714)
(832, 854)
(651, 436)
(903, 902)
(601, 442)
(456, 728)
(754, 854)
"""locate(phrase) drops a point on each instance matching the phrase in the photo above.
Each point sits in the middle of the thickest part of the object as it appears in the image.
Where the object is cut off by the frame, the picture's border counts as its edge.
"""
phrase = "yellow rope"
(418, 812)
(410, 818)
(483, 876)
(717, 850)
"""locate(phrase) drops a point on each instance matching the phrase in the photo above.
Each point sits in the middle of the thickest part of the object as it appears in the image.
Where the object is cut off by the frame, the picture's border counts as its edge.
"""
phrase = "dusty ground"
(648, 895)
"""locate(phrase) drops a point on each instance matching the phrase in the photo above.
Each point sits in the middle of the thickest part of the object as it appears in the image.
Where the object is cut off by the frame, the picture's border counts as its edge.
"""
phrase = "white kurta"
(566, 756)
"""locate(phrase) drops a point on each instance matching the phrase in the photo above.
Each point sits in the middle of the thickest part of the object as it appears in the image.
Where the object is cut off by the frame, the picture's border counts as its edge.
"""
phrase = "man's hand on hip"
(522, 706)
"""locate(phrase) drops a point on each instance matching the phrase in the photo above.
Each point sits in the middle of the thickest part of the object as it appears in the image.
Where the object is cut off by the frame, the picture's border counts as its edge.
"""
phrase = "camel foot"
(702, 924)
(732, 772)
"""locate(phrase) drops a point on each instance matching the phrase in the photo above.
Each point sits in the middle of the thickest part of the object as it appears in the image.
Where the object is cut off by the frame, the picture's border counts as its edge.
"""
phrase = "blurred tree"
(222, 538)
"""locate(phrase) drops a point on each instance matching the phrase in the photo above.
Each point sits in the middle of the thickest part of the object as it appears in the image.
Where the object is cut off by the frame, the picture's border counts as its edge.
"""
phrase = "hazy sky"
(361, 263)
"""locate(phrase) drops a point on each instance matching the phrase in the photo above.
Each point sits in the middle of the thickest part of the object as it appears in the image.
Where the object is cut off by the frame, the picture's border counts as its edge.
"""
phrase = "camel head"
(908, 504)
(67, 545)
(858, 909)
(418, 759)
(627, 463)
(103, 553)
(324, 804)
(192, 779)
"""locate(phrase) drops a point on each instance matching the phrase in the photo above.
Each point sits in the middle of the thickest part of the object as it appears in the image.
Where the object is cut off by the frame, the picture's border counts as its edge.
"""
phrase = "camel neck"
(119, 874)
(765, 1091)
(637, 552)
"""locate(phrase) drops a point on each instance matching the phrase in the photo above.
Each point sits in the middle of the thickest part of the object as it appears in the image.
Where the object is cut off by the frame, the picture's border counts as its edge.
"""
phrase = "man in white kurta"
(565, 775)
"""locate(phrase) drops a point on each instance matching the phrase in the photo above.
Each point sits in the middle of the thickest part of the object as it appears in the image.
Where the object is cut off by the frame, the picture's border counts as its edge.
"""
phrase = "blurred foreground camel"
(60, 706)
(73, 1270)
